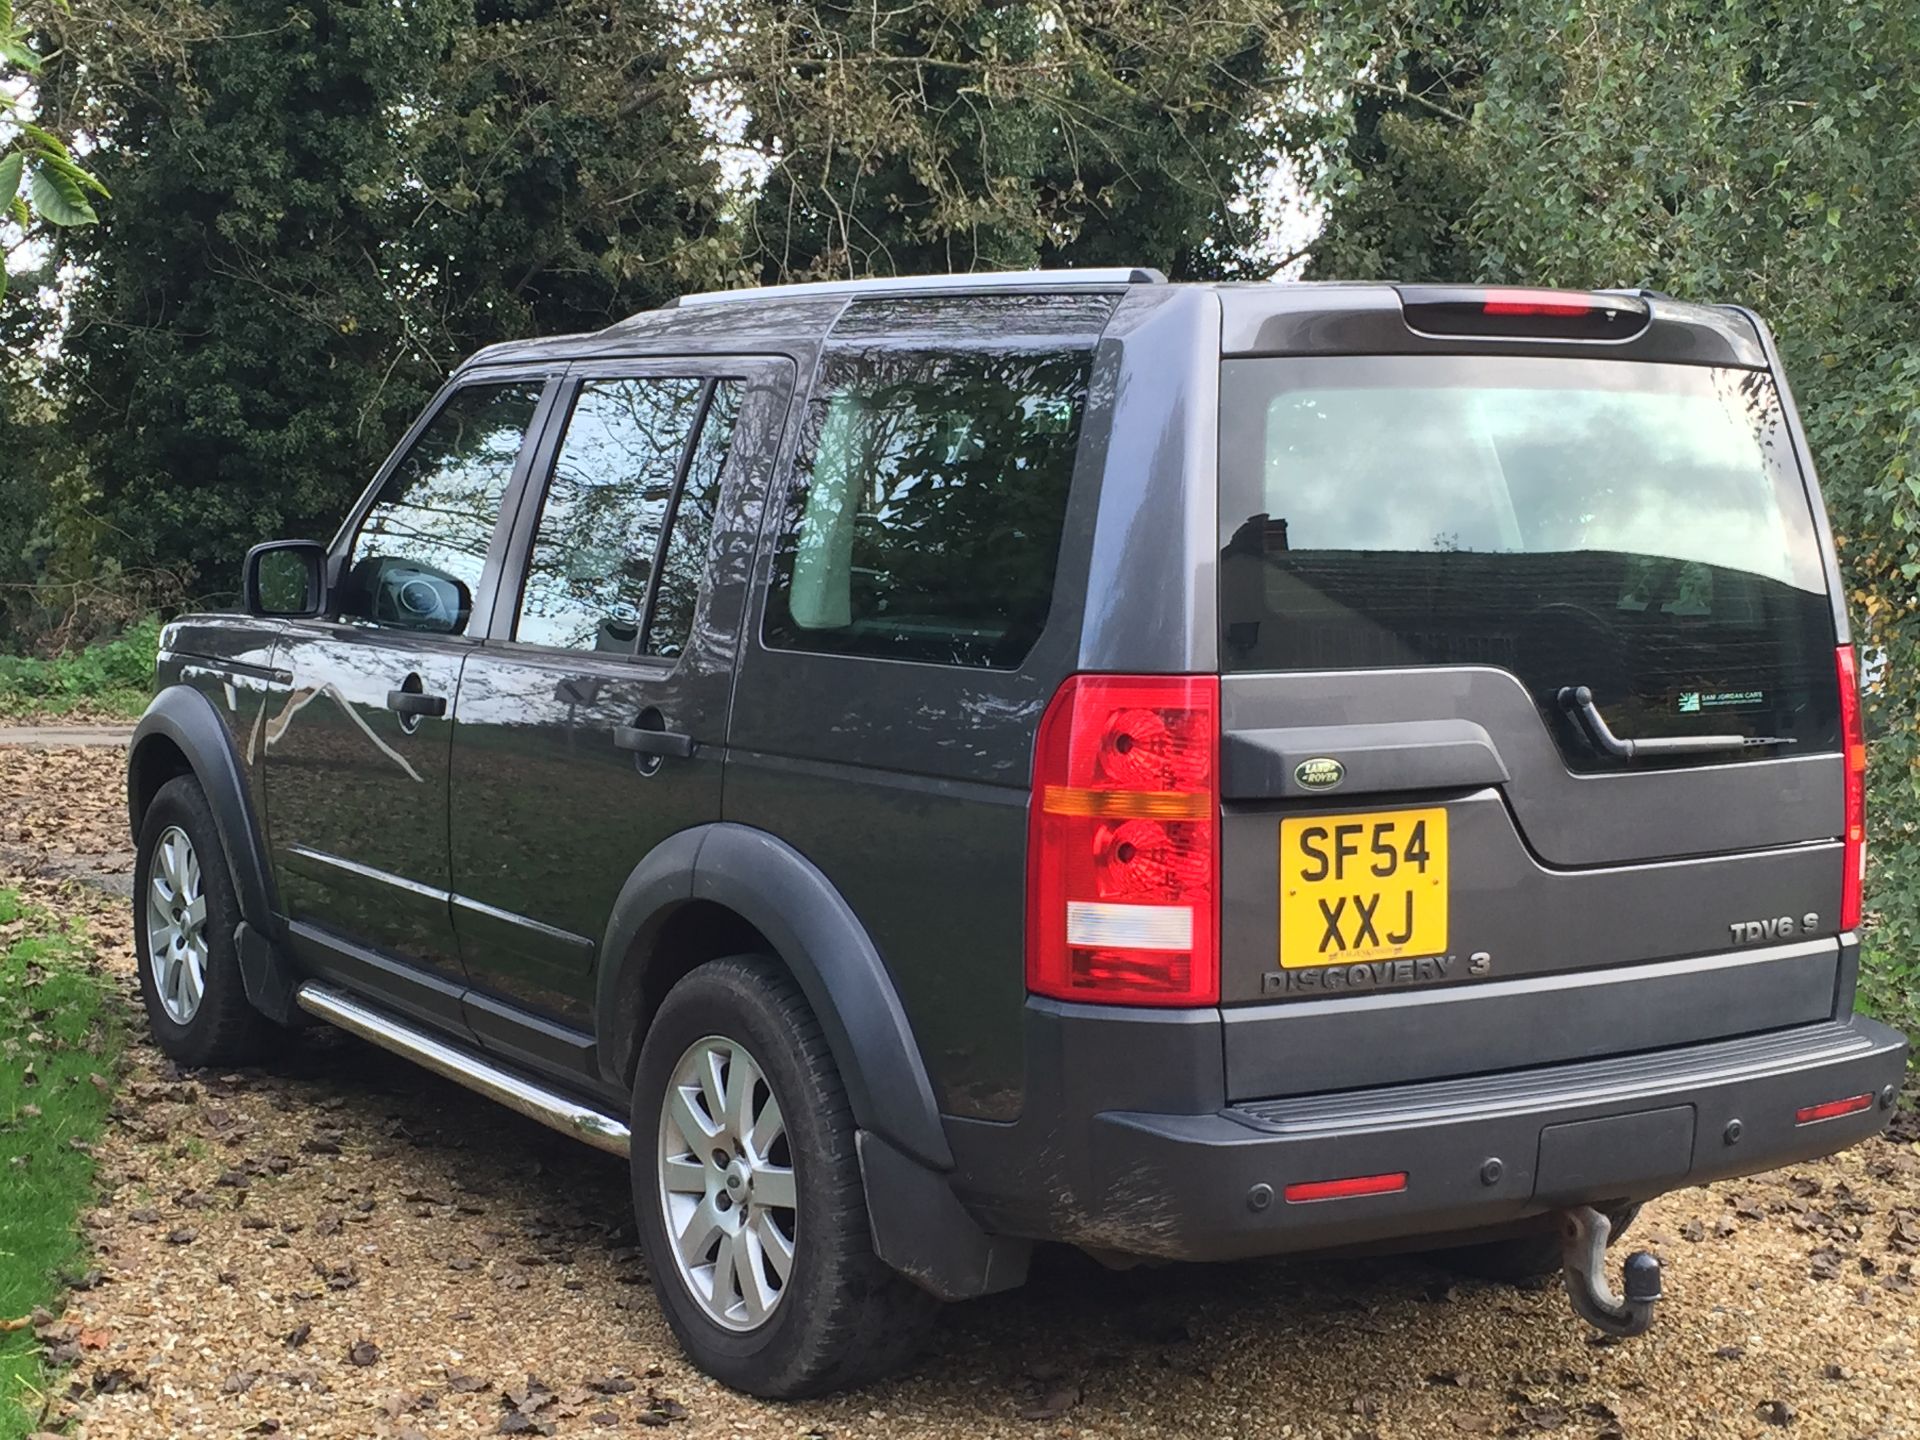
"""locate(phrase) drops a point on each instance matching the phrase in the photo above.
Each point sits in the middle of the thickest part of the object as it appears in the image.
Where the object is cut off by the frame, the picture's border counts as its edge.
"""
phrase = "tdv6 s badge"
(1780, 927)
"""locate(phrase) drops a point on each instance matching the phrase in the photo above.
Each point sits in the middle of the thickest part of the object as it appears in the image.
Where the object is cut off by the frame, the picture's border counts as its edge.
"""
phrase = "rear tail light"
(1833, 1109)
(1123, 843)
(1853, 738)
(1515, 314)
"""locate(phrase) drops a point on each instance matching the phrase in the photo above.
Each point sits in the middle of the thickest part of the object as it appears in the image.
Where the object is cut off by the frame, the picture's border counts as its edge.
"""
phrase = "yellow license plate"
(1363, 887)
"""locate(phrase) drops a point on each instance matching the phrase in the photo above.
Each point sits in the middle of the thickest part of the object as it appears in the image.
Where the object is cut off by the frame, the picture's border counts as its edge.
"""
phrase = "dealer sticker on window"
(1692, 702)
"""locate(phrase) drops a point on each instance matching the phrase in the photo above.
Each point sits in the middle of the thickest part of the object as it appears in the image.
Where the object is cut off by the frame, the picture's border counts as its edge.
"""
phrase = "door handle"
(415, 703)
(652, 742)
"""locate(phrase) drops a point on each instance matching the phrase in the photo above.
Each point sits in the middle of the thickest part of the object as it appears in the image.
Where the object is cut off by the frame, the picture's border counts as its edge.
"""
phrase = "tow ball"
(1583, 1254)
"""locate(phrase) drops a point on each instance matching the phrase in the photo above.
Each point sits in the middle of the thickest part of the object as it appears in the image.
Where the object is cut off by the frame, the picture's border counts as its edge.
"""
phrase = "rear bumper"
(1480, 1153)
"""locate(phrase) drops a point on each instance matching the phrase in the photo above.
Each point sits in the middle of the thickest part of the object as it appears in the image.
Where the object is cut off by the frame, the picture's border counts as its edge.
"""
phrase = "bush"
(110, 679)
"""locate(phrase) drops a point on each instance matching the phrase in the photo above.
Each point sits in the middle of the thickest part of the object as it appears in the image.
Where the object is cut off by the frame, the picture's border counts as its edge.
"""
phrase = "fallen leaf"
(1055, 1403)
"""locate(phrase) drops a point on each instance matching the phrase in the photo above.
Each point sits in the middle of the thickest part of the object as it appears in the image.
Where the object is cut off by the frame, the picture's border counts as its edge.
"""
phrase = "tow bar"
(1583, 1252)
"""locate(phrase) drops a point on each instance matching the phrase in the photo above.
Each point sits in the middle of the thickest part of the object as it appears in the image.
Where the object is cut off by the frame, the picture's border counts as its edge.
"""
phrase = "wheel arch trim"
(185, 718)
(815, 933)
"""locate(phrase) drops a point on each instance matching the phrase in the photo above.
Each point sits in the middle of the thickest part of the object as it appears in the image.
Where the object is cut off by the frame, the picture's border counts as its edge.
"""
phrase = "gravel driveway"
(342, 1245)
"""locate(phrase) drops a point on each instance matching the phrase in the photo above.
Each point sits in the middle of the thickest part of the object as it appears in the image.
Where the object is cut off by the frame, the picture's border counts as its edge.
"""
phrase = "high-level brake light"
(1511, 313)
(1536, 302)
(1123, 842)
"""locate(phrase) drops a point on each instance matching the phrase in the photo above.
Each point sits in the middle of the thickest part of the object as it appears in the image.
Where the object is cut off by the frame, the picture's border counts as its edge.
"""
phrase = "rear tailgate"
(1431, 563)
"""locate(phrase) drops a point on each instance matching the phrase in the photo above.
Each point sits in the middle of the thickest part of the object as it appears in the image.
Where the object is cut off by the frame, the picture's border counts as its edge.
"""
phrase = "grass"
(109, 680)
(57, 1033)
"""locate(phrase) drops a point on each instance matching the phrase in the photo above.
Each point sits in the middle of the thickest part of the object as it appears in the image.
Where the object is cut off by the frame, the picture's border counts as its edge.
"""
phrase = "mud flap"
(267, 978)
(923, 1232)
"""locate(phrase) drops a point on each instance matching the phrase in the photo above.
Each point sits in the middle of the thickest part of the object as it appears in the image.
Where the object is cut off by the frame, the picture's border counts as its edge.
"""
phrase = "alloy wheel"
(176, 926)
(726, 1183)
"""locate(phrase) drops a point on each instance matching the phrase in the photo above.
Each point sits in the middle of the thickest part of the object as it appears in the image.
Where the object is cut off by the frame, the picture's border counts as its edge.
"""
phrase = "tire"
(180, 846)
(840, 1317)
(1526, 1260)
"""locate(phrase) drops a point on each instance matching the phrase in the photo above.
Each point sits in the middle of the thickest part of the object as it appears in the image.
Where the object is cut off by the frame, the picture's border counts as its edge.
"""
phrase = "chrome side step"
(466, 1068)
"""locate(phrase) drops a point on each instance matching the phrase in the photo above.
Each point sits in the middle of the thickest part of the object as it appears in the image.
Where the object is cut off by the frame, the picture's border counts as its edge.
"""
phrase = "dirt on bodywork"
(339, 1244)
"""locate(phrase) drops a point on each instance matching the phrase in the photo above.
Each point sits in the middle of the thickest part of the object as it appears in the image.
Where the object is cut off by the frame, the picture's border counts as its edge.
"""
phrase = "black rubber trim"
(187, 718)
(814, 932)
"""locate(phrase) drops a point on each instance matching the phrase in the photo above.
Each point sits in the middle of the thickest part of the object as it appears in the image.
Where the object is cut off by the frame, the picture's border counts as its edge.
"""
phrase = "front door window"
(420, 551)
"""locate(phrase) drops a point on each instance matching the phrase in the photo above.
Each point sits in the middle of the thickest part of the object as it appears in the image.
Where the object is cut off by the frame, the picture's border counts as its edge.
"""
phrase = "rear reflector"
(1833, 1109)
(1514, 314)
(1853, 739)
(1310, 1190)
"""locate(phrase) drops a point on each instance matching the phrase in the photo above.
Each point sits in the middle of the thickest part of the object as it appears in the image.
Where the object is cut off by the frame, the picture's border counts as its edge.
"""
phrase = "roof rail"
(1092, 278)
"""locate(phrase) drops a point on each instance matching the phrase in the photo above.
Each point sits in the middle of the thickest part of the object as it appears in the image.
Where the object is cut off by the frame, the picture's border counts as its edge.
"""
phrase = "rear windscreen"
(1638, 529)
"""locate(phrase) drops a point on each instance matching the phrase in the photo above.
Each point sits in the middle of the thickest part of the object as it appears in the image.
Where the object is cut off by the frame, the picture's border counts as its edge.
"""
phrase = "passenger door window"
(422, 545)
(690, 537)
(628, 472)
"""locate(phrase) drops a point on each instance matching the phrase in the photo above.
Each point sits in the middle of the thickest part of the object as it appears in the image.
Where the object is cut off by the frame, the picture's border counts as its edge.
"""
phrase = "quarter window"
(925, 516)
(422, 547)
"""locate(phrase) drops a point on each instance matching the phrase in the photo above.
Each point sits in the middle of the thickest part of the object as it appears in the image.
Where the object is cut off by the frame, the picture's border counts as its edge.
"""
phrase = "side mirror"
(285, 579)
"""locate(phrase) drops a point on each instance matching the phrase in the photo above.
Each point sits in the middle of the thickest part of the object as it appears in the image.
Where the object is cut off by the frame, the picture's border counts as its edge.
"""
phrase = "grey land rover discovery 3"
(927, 767)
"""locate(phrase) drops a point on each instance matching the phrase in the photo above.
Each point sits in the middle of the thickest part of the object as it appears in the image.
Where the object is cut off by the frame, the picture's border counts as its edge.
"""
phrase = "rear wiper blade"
(1577, 701)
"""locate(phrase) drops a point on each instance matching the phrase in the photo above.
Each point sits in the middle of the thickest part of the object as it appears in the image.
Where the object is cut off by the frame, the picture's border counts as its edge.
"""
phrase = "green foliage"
(38, 176)
(1767, 153)
(937, 136)
(322, 206)
(111, 679)
(57, 1030)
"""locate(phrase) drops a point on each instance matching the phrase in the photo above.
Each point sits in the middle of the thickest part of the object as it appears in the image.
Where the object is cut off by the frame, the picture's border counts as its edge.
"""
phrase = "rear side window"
(924, 518)
(1638, 529)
